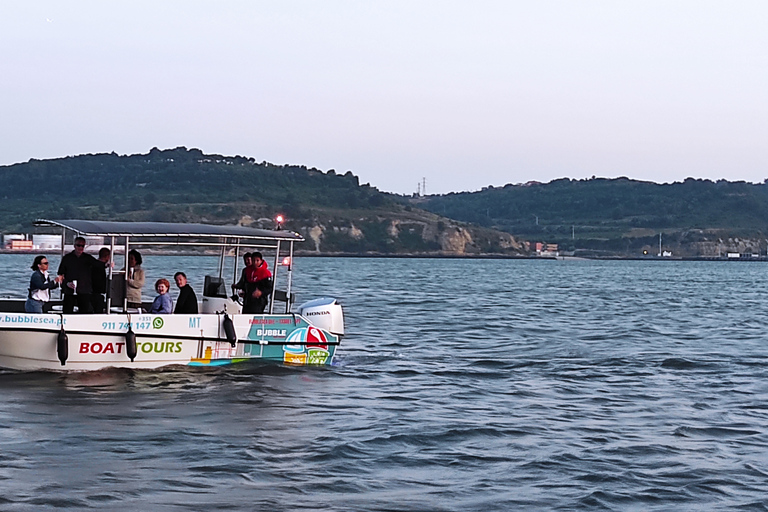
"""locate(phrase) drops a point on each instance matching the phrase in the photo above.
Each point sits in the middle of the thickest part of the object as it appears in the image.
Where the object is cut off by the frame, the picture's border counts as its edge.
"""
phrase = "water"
(462, 385)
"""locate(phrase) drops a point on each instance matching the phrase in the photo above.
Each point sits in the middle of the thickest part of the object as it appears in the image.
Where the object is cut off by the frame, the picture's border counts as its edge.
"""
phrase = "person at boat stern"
(163, 303)
(239, 287)
(99, 280)
(76, 268)
(135, 279)
(40, 285)
(259, 285)
(187, 301)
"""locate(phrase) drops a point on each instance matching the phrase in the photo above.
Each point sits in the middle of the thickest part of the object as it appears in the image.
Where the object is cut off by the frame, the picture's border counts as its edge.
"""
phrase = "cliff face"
(700, 243)
(414, 232)
(720, 247)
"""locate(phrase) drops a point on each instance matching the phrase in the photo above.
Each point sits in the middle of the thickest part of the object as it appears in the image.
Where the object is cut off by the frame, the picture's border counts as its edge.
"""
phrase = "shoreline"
(312, 254)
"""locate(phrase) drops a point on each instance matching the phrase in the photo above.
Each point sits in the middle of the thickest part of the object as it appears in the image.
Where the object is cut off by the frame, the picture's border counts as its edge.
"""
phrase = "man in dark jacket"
(239, 287)
(77, 269)
(99, 281)
(187, 301)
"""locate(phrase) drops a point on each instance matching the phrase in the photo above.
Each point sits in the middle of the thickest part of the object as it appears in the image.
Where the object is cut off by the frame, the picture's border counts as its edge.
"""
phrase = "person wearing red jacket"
(259, 285)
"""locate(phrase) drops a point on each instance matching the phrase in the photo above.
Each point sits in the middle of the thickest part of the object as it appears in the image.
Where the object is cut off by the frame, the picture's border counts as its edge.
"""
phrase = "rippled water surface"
(461, 385)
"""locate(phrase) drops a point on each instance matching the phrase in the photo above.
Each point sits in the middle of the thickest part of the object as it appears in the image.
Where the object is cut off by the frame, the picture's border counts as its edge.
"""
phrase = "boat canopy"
(167, 229)
(176, 233)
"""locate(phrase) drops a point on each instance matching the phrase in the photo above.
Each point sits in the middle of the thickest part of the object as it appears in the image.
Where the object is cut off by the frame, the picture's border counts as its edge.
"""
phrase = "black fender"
(62, 345)
(229, 330)
(130, 343)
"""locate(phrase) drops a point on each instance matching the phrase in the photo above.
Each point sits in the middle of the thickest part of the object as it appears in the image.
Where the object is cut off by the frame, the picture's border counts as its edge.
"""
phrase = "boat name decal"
(33, 319)
(159, 347)
(277, 333)
(101, 348)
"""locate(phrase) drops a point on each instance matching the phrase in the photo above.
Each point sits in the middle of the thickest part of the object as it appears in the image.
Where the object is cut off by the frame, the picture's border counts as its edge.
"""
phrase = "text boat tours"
(220, 334)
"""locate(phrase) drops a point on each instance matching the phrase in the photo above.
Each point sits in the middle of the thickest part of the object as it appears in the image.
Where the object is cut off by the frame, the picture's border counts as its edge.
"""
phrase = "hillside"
(620, 216)
(334, 212)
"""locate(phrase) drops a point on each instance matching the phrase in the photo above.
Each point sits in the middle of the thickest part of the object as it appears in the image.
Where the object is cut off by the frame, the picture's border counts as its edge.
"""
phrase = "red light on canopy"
(287, 261)
(279, 219)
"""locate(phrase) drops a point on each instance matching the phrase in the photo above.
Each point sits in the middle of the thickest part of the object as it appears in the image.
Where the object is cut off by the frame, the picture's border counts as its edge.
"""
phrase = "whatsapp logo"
(157, 323)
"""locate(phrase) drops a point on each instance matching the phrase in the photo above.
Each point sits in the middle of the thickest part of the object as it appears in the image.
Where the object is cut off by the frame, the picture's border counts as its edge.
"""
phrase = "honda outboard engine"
(324, 313)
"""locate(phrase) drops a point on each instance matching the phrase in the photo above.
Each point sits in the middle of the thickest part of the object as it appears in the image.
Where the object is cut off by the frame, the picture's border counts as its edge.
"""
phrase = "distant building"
(545, 249)
(46, 242)
(94, 240)
(17, 242)
(20, 245)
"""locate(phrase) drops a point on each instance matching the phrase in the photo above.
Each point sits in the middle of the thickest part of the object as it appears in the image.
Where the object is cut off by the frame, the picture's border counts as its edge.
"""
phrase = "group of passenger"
(83, 280)
(255, 284)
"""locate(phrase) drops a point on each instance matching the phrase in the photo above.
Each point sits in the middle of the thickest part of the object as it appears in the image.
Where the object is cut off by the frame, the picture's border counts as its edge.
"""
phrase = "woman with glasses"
(40, 285)
(135, 279)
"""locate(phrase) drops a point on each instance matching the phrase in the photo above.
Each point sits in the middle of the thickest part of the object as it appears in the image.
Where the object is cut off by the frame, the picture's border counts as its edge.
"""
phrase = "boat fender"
(130, 343)
(229, 330)
(62, 346)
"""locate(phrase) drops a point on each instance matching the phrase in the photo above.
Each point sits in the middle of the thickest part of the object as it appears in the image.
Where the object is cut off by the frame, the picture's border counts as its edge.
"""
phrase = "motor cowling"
(325, 313)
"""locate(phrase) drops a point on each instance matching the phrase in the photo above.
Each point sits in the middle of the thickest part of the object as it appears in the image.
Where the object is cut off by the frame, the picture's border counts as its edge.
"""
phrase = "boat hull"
(29, 341)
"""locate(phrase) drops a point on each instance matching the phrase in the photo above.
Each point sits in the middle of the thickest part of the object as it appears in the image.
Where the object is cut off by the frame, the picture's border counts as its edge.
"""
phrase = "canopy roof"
(167, 229)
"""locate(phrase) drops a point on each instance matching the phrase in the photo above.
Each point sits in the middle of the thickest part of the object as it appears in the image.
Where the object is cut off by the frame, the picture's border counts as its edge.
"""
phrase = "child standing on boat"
(163, 303)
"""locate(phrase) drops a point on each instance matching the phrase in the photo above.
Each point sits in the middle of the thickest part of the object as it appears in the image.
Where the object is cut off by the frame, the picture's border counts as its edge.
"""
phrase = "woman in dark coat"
(40, 285)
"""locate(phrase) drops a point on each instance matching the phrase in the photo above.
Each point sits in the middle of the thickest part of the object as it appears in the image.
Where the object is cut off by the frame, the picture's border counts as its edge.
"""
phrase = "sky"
(462, 94)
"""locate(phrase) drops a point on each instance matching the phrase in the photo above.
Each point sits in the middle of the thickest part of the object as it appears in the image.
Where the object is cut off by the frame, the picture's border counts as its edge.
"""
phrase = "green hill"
(618, 215)
(334, 212)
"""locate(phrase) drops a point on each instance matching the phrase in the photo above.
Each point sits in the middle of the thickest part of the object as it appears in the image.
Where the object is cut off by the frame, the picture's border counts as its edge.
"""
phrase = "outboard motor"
(324, 313)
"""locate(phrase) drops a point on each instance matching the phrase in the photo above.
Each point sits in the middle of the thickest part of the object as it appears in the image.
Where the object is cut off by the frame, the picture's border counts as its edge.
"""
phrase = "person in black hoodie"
(240, 286)
(187, 301)
(99, 281)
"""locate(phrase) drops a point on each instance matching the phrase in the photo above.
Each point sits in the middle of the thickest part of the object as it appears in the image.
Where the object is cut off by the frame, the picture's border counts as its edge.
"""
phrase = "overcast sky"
(465, 94)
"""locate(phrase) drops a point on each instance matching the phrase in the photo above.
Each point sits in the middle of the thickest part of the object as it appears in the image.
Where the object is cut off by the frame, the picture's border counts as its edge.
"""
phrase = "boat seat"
(214, 287)
(57, 308)
(13, 305)
(132, 311)
(282, 296)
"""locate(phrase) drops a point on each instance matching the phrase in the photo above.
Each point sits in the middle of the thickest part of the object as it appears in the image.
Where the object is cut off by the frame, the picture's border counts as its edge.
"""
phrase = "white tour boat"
(219, 334)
